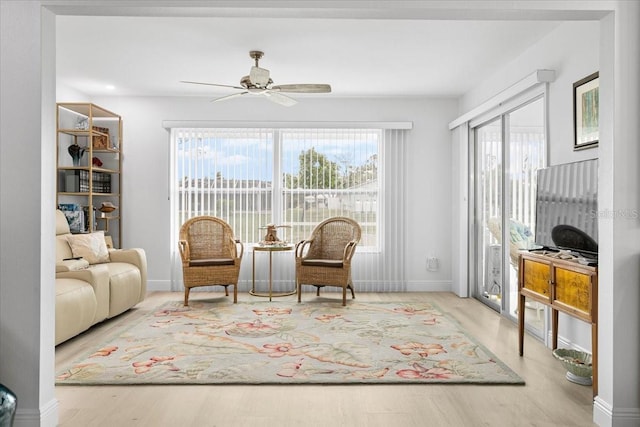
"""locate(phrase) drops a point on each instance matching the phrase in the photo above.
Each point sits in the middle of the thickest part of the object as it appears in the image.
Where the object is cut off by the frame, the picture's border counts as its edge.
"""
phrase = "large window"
(294, 177)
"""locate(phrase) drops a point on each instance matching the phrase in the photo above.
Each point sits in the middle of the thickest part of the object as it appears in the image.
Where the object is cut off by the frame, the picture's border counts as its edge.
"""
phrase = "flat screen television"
(567, 208)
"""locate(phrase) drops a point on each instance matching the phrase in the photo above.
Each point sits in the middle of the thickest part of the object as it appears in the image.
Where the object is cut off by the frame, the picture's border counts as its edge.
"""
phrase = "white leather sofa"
(90, 291)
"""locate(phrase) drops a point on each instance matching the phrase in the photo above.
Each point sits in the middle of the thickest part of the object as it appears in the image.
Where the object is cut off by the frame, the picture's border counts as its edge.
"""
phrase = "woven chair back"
(331, 236)
(209, 237)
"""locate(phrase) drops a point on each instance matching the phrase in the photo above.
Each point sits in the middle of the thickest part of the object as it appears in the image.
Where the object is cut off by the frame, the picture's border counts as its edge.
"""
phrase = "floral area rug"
(291, 343)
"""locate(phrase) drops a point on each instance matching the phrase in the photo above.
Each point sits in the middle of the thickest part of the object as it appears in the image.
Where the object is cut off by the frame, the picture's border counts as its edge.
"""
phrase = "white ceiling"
(148, 56)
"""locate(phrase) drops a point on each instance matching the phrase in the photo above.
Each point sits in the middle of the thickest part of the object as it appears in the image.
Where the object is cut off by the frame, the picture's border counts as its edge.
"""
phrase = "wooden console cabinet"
(564, 285)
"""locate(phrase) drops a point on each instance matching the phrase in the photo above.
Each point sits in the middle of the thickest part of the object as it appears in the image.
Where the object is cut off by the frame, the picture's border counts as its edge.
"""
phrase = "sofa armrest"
(137, 257)
(98, 277)
(71, 265)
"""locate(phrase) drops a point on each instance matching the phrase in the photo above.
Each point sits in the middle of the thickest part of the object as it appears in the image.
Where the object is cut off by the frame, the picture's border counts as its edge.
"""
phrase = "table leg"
(270, 293)
(521, 308)
(594, 357)
(270, 275)
(253, 273)
(554, 328)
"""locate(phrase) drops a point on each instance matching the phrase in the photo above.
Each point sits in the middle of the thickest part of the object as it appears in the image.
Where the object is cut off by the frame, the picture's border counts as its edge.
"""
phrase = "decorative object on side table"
(577, 363)
(586, 112)
(271, 238)
(76, 152)
(8, 405)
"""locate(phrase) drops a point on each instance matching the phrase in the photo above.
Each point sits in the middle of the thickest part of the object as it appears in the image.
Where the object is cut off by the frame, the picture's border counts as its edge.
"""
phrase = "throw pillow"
(91, 247)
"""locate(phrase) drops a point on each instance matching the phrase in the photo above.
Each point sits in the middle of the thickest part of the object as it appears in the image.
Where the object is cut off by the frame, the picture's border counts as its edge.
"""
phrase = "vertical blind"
(295, 178)
(526, 156)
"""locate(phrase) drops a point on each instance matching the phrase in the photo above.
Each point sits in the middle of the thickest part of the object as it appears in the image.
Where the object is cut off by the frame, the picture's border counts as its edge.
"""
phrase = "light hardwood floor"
(547, 399)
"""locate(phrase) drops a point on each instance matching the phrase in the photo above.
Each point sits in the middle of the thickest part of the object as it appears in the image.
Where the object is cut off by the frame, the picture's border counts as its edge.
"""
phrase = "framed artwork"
(585, 112)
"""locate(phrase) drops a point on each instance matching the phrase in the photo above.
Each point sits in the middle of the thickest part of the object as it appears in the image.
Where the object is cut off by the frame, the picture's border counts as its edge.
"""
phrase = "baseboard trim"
(606, 415)
(565, 343)
(158, 285)
(429, 286)
(47, 416)
(602, 412)
(411, 286)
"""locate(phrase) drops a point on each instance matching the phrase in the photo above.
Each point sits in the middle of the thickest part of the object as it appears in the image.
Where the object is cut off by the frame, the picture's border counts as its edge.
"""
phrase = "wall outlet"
(433, 264)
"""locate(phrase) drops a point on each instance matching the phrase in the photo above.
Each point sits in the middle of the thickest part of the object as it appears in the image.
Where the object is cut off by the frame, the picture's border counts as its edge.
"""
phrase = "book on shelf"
(78, 181)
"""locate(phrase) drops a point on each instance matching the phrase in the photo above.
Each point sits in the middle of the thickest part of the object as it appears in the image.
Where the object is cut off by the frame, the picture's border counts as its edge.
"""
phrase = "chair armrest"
(349, 250)
(301, 246)
(137, 257)
(185, 254)
(241, 246)
(238, 247)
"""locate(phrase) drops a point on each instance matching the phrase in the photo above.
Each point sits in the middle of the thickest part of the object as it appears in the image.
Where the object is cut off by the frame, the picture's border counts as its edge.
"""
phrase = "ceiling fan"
(258, 82)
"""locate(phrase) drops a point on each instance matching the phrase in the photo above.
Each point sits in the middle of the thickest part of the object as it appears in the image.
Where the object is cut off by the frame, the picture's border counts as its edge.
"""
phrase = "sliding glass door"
(509, 149)
(488, 213)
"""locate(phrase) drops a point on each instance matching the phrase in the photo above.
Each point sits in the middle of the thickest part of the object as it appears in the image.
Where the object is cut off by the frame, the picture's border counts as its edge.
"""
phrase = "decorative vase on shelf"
(76, 153)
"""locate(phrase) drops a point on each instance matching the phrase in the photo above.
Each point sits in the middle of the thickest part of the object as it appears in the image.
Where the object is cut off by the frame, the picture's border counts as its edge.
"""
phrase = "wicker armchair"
(210, 255)
(324, 259)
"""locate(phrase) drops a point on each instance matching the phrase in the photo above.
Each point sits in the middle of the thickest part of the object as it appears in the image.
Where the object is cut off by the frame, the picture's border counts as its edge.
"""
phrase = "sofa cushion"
(210, 262)
(124, 287)
(335, 263)
(91, 247)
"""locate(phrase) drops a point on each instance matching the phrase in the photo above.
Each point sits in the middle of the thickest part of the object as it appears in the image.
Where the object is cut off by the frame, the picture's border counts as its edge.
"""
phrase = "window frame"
(278, 189)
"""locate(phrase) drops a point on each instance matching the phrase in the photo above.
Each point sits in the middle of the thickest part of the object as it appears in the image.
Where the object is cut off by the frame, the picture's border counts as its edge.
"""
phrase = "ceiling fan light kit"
(259, 82)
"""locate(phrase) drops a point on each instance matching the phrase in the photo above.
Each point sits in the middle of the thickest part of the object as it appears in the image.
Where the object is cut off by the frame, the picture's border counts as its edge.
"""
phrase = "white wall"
(146, 206)
(27, 139)
(64, 93)
(572, 50)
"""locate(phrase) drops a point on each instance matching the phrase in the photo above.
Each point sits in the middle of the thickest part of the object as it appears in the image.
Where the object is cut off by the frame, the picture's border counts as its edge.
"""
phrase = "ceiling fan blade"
(259, 76)
(224, 98)
(281, 99)
(303, 88)
(211, 84)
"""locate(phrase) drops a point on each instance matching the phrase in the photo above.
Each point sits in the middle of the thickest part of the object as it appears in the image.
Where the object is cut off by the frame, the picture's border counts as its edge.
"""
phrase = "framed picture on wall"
(586, 112)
